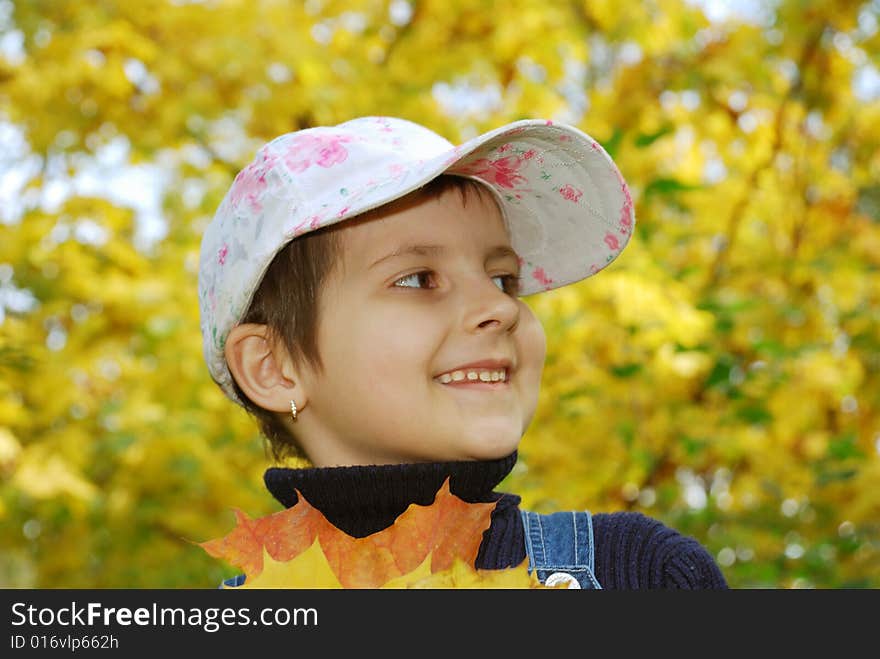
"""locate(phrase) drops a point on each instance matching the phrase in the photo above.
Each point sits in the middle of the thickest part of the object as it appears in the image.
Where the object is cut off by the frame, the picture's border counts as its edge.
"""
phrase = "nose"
(490, 308)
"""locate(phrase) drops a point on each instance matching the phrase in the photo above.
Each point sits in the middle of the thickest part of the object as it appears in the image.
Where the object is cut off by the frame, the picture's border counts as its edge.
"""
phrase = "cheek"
(391, 351)
(532, 340)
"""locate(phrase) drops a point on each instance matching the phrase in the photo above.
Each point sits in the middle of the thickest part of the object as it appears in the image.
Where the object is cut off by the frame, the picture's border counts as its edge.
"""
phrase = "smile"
(476, 375)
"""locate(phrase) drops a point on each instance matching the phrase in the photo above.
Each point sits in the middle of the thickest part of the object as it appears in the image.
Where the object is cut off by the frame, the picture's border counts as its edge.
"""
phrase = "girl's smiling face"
(422, 301)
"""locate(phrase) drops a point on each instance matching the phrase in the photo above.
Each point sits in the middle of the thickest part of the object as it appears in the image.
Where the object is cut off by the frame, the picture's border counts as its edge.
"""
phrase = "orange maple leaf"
(448, 530)
(284, 535)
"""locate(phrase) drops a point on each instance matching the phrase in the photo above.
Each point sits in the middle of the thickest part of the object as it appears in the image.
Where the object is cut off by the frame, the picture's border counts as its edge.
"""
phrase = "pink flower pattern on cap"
(502, 171)
(567, 208)
(321, 150)
(250, 182)
(570, 192)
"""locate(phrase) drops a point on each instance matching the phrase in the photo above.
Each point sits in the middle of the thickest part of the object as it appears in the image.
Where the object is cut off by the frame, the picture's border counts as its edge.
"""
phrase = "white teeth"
(472, 376)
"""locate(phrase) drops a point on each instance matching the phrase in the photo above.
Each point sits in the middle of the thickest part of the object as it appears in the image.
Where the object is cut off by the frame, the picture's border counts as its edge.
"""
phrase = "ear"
(263, 371)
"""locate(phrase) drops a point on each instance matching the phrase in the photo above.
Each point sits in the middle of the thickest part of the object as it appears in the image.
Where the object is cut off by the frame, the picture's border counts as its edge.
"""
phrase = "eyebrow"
(436, 250)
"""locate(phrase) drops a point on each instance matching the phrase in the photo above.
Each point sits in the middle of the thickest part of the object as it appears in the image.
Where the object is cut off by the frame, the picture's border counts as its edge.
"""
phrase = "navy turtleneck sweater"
(632, 551)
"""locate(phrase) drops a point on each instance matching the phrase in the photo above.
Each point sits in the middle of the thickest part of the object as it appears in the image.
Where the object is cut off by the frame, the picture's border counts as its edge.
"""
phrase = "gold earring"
(293, 409)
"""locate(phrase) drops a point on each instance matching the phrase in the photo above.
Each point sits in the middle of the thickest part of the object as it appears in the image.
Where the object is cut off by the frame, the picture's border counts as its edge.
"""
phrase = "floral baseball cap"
(567, 209)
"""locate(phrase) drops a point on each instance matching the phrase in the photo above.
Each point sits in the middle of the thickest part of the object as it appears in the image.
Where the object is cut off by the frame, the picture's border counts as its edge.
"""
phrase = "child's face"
(388, 328)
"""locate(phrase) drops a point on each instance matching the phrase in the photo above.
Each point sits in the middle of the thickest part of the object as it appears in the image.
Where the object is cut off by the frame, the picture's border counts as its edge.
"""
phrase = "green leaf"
(756, 414)
(844, 447)
(577, 393)
(627, 431)
(868, 202)
(720, 374)
(644, 140)
(613, 143)
(831, 476)
(692, 445)
(626, 370)
(770, 348)
(669, 186)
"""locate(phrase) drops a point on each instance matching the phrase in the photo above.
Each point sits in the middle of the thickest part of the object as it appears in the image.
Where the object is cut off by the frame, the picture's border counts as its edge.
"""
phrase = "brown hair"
(286, 301)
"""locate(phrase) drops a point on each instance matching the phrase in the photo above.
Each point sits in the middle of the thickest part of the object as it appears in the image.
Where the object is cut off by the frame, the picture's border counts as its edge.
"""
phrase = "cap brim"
(565, 203)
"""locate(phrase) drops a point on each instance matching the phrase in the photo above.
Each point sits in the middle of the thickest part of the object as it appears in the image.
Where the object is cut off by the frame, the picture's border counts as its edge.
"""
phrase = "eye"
(508, 283)
(417, 278)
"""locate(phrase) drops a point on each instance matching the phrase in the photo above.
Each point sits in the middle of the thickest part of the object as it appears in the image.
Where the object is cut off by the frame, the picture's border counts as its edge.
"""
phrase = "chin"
(493, 445)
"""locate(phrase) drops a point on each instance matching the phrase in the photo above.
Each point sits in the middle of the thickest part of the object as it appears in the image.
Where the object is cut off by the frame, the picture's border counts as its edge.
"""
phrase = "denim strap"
(561, 542)
(233, 582)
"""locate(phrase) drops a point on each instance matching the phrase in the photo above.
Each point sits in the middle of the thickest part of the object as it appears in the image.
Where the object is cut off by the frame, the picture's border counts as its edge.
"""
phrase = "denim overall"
(559, 547)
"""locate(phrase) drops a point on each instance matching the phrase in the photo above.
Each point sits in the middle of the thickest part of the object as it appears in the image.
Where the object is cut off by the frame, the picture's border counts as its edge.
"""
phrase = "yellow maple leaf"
(309, 569)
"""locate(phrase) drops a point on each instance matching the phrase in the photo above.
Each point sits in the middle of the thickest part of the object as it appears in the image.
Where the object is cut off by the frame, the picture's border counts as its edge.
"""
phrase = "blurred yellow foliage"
(723, 375)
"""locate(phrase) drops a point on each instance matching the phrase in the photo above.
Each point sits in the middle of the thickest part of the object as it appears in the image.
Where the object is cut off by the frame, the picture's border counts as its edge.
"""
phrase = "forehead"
(456, 219)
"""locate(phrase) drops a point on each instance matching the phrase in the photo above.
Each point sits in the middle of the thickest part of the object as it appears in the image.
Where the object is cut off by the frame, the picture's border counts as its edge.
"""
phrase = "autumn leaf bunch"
(432, 546)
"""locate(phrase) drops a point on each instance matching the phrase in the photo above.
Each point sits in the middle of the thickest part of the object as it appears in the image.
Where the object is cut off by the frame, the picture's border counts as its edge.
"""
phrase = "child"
(359, 292)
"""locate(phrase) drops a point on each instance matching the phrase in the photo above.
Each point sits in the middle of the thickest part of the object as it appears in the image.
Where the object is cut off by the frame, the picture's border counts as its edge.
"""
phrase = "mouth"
(476, 378)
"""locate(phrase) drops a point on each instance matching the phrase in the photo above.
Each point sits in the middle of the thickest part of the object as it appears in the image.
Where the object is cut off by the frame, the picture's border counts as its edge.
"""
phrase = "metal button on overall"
(558, 578)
